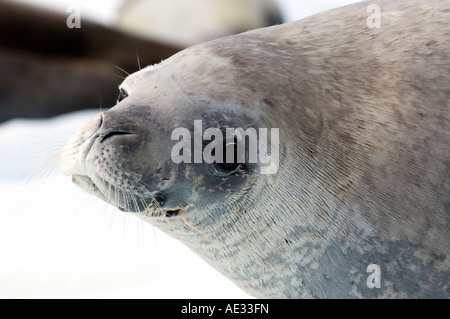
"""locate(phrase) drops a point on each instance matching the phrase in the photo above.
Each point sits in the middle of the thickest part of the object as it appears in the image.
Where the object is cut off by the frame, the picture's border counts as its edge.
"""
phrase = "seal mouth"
(163, 212)
(172, 213)
(132, 200)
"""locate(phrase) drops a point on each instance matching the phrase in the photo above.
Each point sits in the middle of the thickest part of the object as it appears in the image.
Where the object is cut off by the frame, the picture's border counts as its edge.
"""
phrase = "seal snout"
(111, 133)
(109, 127)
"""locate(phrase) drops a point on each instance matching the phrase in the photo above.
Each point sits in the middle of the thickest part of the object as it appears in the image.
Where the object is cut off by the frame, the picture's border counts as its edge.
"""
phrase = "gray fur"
(364, 172)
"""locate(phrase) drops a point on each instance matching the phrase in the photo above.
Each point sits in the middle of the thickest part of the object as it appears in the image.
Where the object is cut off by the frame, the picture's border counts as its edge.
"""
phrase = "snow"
(58, 242)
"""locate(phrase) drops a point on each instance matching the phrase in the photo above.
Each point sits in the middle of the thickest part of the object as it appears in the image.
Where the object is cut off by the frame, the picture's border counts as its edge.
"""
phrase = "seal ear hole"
(122, 95)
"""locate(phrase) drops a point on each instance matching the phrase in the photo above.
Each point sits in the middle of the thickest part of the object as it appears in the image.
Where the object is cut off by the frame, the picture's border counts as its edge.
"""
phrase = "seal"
(359, 206)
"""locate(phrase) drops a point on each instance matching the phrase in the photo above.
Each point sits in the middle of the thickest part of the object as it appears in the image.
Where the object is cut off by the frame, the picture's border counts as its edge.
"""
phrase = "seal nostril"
(113, 133)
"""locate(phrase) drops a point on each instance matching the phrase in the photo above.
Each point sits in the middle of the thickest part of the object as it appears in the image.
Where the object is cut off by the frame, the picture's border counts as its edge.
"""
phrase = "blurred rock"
(49, 69)
(187, 22)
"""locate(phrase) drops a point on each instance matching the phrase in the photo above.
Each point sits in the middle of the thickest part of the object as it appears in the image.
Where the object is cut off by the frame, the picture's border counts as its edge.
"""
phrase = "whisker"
(137, 57)
(180, 215)
(41, 168)
(108, 198)
(140, 234)
(154, 201)
(141, 199)
(100, 104)
(133, 199)
(121, 77)
(125, 198)
(124, 223)
(121, 69)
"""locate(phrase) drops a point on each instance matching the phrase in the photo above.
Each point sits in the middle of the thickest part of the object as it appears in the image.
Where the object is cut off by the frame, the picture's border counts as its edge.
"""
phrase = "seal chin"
(87, 184)
(128, 201)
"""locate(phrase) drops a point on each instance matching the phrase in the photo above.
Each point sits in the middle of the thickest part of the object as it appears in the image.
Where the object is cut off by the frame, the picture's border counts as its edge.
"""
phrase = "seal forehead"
(136, 78)
(189, 83)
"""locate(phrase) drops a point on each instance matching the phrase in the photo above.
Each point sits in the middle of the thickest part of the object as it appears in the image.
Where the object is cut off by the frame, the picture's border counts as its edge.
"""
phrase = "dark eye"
(122, 95)
(234, 164)
(229, 166)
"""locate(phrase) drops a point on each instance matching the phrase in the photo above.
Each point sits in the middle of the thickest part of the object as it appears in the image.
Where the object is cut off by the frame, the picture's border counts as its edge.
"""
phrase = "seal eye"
(122, 95)
(230, 166)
